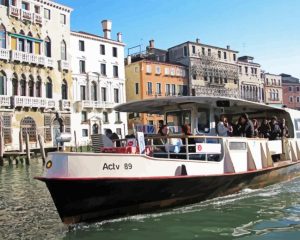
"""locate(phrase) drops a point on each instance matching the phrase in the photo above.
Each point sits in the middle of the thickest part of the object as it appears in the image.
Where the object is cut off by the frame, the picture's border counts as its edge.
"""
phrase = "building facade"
(35, 77)
(212, 70)
(291, 91)
(273, 88)
(98, 83)
(250, 82)
(153, 79)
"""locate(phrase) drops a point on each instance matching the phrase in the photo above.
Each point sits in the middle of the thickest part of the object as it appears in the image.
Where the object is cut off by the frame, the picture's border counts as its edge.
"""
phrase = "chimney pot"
(151, 43)
(197, 40)
(228, 47)
(119, 37)
(106, 26)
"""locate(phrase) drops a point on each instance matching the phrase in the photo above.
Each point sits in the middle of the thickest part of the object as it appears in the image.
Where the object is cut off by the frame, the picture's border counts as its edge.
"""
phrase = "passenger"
(284, 129)
(247, 129)
(222, 127)
(186, 130)
(275, 132)
(264, 129)
(237, 127)
(113, 136)
(255, 127)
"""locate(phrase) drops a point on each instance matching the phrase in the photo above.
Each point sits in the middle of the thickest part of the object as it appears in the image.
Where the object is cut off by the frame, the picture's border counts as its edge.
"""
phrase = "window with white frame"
(167, 72)
(149, 88)
(158, 88)
(172, 72)
(148, 69)
(157, 70)
(63, 19)
(290, 99)
(47, 13)
(102, 49)
(168, 89)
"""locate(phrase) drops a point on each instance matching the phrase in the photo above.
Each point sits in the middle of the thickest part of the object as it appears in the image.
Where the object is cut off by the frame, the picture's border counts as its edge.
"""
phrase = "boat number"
(112, 166)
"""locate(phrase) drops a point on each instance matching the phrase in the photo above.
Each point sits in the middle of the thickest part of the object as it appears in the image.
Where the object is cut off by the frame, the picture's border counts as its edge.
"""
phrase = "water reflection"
(27, 212)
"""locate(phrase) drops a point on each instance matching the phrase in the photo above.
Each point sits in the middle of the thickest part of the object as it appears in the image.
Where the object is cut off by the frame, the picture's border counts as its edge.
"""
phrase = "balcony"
(49, 62)
(63, 65)
(5, 101)
(24, 57)
(65, 104)
(14, 11)
(4, 54)
(213, 91)
(38, 19)
(27, 15)
(33, 102)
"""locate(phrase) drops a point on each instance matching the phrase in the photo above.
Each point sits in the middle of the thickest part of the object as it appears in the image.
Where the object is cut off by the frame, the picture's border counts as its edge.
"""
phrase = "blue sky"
(268, 30)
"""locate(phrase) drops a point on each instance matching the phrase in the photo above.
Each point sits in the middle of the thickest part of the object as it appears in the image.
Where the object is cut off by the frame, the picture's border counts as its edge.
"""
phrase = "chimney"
(106, 26)
(228, 47)
(119, 37)
(197, 40)
(128, 60)
(151, 43)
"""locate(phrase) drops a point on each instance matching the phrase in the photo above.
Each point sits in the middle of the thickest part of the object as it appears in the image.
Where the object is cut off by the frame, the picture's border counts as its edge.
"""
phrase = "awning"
(25, 37)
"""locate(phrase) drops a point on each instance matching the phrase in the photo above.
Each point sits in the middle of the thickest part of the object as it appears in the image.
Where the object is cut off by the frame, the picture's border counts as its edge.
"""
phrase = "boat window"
(237, 146)
(297, 126)
(203, 120)
(178, 118)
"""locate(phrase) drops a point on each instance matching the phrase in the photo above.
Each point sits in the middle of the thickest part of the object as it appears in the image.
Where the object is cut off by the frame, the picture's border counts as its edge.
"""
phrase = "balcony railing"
(27, 15)
(65, 104)
(49, 62)
(34, 102)
(14, 11)
(38, 19)
(63, 65)
(222, 92)
(97, 104)
(4, 54)
(5, 101)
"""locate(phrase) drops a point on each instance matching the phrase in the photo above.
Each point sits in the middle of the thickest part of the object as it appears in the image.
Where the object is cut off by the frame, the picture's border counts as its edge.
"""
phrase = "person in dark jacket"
(284, 129)
(113, 136)
(247, 129)
(264, 129)
(275, 133)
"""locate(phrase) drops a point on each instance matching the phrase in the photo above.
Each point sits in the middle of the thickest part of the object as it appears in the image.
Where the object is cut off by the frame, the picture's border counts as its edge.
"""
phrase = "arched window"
(31, 86)
(49, 88)
(64, 90)
(29, 127)
(15, 85)
(29, 44)
(2, 36)
(2, 83)
(23, 86)
(95, 128)
(277, 95)
(63, 50)
(38, 85)
(47, 47)
(94, 91)
(21, 42)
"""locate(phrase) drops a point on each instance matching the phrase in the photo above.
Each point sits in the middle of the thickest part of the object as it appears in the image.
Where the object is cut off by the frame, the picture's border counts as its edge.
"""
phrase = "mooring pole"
(1, 146)
(20, 141)
(27, 149)
(75, 139)
(41, 142)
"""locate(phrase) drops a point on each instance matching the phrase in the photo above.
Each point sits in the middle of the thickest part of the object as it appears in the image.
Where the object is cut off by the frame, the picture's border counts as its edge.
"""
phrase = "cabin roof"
(157, 105)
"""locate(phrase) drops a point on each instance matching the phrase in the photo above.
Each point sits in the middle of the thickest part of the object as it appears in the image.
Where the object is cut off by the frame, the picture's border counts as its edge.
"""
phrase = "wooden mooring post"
(75, 139)
(20, 140)
(1, 145)
(41, 142)
(27, 149)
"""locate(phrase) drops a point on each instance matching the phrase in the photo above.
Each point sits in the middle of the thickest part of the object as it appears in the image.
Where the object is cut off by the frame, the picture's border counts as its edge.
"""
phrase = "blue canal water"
(27, 212)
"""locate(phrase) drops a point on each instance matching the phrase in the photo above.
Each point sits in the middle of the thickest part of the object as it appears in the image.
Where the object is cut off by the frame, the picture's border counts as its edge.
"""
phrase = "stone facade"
(35, 76)
(98, 84)
(153, 79)
(273, 88)
(250, 83)
(210, 67)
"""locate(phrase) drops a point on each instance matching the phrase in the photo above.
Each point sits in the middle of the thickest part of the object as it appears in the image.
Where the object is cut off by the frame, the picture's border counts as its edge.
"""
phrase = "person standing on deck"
(275, 132)
(247, 129)
(222, 127)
